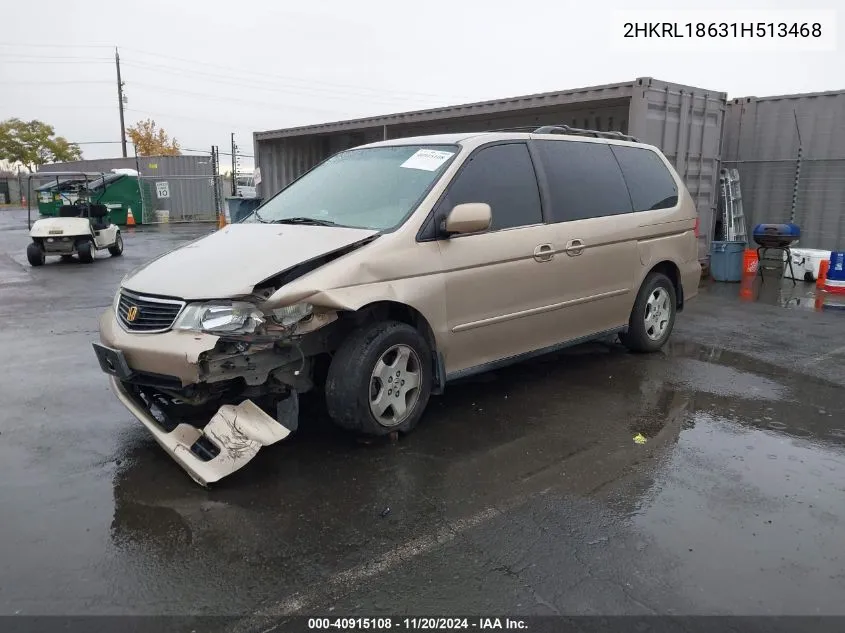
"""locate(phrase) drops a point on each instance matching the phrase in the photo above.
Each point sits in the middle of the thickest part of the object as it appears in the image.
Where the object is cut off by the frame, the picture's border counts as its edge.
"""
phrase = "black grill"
(151, 314)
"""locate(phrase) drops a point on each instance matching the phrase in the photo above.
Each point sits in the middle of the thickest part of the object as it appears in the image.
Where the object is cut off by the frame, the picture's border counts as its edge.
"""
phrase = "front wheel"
(35, 254)
(653, 315)
(379, 380)
(116, 249)
(85, 250)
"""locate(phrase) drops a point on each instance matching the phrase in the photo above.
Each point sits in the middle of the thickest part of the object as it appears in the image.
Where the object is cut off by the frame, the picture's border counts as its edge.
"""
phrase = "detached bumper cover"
(239, 431)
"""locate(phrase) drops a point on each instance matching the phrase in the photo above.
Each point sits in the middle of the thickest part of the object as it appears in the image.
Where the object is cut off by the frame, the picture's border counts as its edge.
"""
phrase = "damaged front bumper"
(238, 431)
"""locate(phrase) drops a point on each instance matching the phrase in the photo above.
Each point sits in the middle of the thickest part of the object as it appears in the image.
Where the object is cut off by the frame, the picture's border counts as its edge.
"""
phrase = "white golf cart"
(82, 227)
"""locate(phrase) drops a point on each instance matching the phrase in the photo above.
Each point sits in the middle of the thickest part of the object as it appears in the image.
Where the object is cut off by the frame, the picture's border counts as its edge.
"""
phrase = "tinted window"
(650, 183)
(584, 180)
(503, 177)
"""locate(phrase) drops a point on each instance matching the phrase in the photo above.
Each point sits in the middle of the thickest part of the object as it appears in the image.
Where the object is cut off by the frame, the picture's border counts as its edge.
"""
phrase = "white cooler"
(805, 263)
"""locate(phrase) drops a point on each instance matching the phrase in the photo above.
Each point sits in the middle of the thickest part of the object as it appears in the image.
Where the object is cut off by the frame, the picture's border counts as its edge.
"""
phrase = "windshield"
(373, 188)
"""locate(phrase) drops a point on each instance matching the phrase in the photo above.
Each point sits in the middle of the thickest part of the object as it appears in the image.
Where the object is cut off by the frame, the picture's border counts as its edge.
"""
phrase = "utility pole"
(234, 167)
(120, 101)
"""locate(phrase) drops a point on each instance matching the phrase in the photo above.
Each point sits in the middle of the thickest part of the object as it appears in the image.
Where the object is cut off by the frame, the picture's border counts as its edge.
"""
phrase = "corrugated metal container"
(189, 184)
(683, 121)
(762, 140)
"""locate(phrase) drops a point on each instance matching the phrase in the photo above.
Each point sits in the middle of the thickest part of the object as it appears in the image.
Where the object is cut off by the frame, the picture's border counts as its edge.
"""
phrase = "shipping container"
(683, 121)
(790, 153)
(174, 188)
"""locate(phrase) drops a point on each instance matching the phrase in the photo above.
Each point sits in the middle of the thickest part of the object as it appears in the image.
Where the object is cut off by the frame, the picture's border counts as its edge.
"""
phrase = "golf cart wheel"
(116, 249)
(653, 315)
(379, 380)
(35, 254)
(85, 250)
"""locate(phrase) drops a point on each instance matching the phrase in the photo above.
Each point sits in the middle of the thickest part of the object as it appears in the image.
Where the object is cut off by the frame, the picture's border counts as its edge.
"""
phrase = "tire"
(116, 249)
(352, 381)
(85, 250)
(35, 254)
(649, 334)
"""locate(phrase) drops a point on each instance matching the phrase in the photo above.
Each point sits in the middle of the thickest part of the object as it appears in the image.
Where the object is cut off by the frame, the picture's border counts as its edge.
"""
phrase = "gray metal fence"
(180, 198)
(809, 193)
(10, 189)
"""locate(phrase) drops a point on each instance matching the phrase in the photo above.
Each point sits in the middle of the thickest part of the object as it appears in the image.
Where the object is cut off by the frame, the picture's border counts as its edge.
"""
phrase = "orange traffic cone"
(221, 220)
(130, 219)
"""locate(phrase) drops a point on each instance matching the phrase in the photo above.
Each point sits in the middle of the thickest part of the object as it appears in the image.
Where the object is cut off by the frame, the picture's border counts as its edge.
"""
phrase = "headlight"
(290, 315)
(234, 317)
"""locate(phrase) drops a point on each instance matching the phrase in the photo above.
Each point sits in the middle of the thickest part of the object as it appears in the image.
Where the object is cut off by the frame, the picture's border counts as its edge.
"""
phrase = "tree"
(34, 143)
(150, 140)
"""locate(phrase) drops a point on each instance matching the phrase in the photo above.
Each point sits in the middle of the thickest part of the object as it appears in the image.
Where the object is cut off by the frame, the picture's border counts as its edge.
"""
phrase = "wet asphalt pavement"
(521, 492)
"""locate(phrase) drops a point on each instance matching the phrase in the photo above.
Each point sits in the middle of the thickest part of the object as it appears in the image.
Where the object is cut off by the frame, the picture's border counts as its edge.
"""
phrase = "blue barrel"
(836, 272)
(726, 260)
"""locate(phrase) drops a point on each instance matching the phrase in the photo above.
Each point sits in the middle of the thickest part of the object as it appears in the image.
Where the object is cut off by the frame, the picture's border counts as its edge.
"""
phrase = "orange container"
(823, 266)
(749, 261)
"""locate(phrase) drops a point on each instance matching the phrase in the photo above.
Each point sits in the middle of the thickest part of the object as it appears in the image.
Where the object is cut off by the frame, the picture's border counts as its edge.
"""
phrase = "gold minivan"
(391, 269)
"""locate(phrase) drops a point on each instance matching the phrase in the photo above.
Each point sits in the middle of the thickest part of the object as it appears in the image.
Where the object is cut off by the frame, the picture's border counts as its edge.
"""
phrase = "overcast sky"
(203, 69)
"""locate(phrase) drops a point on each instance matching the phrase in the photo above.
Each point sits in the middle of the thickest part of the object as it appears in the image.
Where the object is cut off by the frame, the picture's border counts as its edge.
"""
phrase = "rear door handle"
(544, 253)
(574, 247)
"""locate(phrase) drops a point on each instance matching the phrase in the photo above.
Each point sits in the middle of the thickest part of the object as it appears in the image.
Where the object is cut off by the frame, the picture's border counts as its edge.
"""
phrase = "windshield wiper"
(302, 220)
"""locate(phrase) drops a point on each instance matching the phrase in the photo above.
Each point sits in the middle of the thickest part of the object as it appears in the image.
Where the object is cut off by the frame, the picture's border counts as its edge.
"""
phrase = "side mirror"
(470, 217)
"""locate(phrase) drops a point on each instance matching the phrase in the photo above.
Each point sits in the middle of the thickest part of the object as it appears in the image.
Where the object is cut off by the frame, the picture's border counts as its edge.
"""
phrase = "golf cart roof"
(94, 181)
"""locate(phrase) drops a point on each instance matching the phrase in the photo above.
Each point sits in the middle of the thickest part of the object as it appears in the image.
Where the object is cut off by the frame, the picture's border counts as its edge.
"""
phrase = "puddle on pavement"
(721, 429)
(778, 291)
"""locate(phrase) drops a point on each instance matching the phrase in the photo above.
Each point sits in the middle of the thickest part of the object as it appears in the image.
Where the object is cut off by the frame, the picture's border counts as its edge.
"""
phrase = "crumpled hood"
(231, 261)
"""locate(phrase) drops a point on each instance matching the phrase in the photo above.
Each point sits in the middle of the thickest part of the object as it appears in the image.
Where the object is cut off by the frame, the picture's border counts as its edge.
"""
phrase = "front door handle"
(544, 252)
(574, 247)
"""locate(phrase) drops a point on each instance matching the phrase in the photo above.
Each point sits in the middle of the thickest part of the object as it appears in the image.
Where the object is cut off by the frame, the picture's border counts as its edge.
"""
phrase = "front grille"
(151, 314)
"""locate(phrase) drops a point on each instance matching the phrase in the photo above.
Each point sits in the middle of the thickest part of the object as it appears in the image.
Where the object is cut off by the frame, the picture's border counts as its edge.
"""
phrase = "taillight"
(696, 226)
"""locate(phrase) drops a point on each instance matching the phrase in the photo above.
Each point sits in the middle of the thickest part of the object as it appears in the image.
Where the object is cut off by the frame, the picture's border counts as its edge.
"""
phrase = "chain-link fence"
(180, 198)
(180, 188)
(808, 192)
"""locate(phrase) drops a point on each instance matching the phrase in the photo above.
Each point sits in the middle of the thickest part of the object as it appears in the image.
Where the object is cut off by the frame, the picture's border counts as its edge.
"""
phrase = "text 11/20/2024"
(417, 623)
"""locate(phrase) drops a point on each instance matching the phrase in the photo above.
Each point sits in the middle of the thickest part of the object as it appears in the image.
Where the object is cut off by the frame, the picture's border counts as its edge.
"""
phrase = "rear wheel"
(653, 315)
(116, 249)
(35, 254)
(379, 380)
(85, 250)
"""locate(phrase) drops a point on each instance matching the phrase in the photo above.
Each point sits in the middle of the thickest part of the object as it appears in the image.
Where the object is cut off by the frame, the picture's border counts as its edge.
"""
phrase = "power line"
(47, 84)
(240, 72)
(186, 149)
(315, 91)
(214, 97)
(240, 125)
(57, 62)
(27, 45)
(50, 56)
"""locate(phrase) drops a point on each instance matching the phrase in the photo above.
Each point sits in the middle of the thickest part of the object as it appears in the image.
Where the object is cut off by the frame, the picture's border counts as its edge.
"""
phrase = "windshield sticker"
(427, 159)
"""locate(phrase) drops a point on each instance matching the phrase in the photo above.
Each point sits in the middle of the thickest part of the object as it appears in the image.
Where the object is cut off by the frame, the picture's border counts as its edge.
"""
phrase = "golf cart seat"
(70, 211)
(99, 216)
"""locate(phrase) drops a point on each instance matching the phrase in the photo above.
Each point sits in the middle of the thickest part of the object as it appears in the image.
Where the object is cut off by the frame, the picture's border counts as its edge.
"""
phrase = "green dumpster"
(118, 192)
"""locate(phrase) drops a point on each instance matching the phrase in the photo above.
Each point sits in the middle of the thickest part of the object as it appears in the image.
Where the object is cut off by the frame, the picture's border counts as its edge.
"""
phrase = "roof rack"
(521, 128)
(565, 129)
